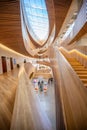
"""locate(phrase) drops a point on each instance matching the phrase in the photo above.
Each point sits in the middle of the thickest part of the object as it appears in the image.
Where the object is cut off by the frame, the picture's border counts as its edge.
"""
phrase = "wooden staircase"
(72, 93)
(79, 69)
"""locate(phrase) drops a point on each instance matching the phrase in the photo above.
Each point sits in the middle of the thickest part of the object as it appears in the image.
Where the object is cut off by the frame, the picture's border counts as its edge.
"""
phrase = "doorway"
(4, 65)
(11, 63)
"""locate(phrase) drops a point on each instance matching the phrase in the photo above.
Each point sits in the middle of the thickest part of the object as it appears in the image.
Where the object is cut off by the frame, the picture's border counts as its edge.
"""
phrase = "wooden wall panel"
(10, 26)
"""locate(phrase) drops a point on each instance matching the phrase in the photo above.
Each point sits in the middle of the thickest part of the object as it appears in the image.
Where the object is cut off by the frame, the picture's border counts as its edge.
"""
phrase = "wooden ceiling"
(10, 22)
(10, 26)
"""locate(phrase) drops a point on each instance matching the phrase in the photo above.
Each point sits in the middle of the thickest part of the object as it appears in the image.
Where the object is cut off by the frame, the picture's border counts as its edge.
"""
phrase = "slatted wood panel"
(61, 8)
(8, 84)
(10, 22)
(10, 26)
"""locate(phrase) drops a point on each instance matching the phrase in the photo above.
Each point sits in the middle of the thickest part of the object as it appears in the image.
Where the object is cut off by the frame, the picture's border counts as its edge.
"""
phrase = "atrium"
(43, 65)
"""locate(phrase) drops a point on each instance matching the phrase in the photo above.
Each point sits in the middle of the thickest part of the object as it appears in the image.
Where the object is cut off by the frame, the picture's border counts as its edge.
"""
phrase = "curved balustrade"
(70, 92)
(82, 58)
(28, 113)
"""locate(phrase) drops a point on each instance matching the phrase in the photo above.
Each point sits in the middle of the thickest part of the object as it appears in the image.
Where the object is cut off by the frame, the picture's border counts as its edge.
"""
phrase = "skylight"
(37, 18)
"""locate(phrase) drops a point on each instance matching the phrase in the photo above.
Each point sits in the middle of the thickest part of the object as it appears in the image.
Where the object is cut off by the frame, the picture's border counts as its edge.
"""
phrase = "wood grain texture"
(10, 23)
(28, 113)
(60, 125)
(10, 26)
(8, 84)
(77, 63)
(73, 94)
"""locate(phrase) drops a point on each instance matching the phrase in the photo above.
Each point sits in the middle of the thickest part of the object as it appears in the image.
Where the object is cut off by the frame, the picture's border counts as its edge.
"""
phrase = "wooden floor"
(32, 112)
(8, 84)
(47, 100)
(15, 96)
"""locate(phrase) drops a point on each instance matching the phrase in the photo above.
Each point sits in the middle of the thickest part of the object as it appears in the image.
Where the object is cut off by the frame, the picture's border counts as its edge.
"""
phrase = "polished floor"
(8, 84)
(47, 100)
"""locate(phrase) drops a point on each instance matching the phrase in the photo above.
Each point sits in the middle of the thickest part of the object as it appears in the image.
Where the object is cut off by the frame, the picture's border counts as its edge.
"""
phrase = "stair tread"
(85, 84)
(83, 79)
(82, 71)
(83, 75)
(80, 68)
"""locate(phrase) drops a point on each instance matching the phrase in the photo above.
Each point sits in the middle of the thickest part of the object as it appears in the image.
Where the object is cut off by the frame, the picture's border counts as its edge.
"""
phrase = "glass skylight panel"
(37, 17)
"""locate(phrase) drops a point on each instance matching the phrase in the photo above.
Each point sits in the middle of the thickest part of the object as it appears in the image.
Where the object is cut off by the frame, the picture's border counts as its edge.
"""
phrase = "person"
(38, 83)
(24, 60)
(41, 86)
(18, 66)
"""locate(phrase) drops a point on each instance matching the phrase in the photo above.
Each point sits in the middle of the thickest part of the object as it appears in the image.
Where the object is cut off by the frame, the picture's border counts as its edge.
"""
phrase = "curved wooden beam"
(28, 113)
(10, 26)
(72, 93)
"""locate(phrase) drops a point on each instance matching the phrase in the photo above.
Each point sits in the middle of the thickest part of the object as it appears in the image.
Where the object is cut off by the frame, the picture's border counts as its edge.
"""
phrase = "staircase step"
(73, 63)
(80, 69)
(84, 80)
(81, 72)
(85, 85)
(82, 76)
(77, 66)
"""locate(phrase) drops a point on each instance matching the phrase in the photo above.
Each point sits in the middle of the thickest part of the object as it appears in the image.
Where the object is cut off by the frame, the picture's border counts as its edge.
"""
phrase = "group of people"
(42, 85)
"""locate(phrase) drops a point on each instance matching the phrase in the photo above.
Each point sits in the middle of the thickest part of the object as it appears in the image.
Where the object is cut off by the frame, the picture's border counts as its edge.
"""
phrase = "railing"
(28, 113)
(72, 93)
(82, 58)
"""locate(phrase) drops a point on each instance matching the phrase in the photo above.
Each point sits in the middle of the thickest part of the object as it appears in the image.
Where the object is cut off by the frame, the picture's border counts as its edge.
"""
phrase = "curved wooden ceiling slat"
(10, 26)
(51, 16)
(61, 8)
(10, 22)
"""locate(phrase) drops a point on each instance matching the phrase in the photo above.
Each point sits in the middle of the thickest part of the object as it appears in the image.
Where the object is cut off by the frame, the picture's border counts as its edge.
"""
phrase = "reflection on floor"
(8, 84)
(47, 100)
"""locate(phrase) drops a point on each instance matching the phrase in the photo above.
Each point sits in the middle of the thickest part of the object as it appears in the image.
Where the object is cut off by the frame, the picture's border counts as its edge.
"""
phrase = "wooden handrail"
(28, 113)
(82, 58)
(73, 94)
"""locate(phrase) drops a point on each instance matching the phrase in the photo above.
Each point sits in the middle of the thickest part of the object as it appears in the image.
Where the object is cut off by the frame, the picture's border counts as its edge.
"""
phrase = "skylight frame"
(40, 19)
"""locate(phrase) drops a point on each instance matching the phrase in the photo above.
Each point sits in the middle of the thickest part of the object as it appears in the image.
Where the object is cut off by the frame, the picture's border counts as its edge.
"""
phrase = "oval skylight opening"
(37, 17)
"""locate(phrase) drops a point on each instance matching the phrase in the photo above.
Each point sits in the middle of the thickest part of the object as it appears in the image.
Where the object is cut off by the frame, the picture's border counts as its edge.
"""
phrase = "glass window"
(37, 17)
